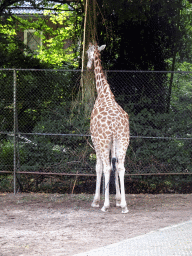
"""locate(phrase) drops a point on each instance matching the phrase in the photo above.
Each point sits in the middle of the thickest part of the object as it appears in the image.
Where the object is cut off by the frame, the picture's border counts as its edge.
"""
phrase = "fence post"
(14, 130)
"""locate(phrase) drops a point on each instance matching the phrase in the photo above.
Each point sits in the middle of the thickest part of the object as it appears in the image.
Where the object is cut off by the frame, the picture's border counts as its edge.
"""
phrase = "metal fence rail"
(42, 131)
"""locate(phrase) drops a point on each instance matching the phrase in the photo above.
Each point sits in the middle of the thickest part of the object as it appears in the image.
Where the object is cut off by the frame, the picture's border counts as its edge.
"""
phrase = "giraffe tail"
(113, 153)
(112, 177)
(113, 171)
(114, 160)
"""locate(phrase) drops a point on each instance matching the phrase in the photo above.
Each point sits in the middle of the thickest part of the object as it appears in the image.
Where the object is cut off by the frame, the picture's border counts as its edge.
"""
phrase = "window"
(33, 41)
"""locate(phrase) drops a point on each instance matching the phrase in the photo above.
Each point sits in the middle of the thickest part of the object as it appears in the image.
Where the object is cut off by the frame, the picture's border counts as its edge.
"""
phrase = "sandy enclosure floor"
(55, 224)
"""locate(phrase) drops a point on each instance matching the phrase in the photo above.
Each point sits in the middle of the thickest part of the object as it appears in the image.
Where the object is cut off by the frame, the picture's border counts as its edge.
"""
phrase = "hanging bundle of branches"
(87, 93)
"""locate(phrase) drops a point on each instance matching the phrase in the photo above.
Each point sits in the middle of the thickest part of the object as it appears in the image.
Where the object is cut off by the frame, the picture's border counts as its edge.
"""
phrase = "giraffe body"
(109, 128)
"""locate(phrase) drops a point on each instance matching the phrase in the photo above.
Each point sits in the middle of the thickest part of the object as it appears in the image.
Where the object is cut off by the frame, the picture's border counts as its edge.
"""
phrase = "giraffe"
(109, 128)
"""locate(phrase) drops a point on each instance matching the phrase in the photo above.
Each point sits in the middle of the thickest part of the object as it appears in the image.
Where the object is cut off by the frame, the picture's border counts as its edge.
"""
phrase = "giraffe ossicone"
(109, 128)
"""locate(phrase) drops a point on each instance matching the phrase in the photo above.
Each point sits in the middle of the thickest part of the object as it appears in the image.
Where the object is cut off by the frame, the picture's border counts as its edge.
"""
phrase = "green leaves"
(59, 29)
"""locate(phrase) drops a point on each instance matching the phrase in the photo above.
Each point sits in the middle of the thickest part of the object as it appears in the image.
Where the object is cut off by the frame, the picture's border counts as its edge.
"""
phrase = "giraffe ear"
(102, 47)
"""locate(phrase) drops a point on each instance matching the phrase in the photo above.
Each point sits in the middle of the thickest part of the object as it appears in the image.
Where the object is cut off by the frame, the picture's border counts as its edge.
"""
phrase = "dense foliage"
(57, 25)
(140, 35)
(72, 153)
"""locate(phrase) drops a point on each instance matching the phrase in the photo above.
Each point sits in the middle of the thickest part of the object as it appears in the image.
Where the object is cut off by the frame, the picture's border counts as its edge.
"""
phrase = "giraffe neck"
(101, 81)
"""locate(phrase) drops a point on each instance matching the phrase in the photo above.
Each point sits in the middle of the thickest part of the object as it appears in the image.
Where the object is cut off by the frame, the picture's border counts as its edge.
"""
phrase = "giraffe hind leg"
(96, 199)
(123, 204)
(121, 148)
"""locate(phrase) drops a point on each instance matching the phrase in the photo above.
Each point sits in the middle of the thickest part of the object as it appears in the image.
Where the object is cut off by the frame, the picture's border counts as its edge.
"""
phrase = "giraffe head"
(91, 53)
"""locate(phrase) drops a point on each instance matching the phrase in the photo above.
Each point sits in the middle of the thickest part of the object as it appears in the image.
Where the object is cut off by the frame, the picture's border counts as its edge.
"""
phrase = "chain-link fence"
(44, 129)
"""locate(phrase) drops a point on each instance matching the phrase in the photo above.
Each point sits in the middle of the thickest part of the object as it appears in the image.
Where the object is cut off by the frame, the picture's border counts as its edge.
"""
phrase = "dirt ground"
(56, 224)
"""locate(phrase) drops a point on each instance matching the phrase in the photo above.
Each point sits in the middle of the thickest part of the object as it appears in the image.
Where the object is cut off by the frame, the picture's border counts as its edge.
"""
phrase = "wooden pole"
(84, 36)
(14, 131)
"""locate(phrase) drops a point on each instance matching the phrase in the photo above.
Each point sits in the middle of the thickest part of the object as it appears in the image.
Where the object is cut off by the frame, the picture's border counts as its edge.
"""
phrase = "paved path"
(174, 240)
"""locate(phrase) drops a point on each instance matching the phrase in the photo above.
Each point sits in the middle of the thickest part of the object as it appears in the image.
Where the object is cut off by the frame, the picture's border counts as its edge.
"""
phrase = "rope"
(85, 22)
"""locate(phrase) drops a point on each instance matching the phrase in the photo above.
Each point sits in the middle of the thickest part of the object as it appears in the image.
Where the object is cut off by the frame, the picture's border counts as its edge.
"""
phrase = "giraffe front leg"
(106, 202)
(118, 194)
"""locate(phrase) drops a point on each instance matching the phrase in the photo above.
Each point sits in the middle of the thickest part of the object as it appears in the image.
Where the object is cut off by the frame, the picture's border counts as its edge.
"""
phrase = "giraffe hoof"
(104, 209)
(118, 203)
(95, 204)
(125, 210)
